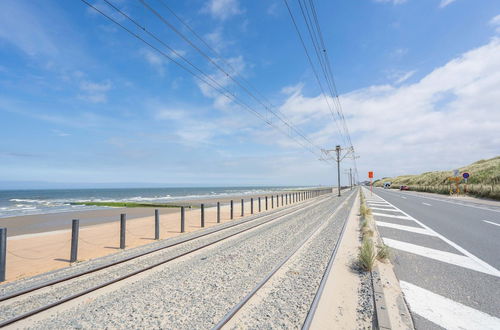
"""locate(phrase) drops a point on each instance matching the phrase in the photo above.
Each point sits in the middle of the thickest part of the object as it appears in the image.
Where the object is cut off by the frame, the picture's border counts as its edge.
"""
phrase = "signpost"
(465, 175)
(370, 175)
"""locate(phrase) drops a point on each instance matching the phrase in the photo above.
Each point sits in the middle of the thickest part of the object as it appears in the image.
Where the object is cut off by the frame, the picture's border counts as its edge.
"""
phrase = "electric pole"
(338, 150)
(350, 177)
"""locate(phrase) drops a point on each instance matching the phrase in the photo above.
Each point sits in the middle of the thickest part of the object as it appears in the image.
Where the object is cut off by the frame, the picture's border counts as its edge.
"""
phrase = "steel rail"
(233, 311)
(123, 277)
(312, 310)
(135, 256)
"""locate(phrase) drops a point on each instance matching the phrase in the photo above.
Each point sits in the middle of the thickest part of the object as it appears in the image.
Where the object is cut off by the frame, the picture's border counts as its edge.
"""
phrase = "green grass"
(124, 204)
(366, 257)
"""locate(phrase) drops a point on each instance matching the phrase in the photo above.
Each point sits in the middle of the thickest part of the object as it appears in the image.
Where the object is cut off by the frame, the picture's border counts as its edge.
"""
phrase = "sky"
(82, 101)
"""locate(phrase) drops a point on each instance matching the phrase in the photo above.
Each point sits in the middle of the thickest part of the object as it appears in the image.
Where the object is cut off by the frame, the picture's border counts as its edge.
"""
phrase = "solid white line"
(456, 246)
(383, 209)
(445, 201)
(392, 216)
(426, 204)
(422, 231)
(493, 223)
(445, 312)
(450, 258)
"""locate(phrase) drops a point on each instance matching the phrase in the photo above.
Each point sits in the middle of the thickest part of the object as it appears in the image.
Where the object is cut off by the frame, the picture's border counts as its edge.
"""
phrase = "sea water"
(25, 202)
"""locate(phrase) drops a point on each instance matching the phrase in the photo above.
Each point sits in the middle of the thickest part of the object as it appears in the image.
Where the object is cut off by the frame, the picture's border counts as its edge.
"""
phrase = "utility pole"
(350, 177)
(338, 150)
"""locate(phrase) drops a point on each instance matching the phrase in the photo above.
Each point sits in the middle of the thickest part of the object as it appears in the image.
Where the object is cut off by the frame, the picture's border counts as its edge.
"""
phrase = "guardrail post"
(202, 209)
(183, 219)
(259, 205)
(266, 203)
(251, 205)
(281, 199)
(242, 207)
(272, 201)
(157, 224)
(218, 212)
(3, 253)
(75, 225)
(123, 227)
(231, 209)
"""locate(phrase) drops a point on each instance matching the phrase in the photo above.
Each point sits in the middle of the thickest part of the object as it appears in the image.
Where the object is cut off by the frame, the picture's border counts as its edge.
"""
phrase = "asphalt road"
(446, 256)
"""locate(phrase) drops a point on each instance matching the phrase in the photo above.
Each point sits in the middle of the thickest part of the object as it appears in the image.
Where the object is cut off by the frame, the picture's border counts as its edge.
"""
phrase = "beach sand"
(40, 243)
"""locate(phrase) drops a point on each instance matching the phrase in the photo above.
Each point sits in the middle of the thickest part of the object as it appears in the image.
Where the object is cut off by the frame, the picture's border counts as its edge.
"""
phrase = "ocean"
(25, 202)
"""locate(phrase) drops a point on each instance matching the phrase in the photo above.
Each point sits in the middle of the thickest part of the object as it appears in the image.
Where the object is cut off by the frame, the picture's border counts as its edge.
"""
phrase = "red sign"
(370, 175)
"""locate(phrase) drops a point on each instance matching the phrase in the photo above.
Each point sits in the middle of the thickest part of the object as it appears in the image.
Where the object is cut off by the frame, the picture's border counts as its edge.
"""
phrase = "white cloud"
(236, 67)
(445, 3)
(223, 9)
(94, 92)
(447, 119)
(495, 21)
(401, 76)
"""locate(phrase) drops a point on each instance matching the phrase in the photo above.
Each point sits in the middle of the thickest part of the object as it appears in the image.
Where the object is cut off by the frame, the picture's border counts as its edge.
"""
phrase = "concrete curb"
(397, 317)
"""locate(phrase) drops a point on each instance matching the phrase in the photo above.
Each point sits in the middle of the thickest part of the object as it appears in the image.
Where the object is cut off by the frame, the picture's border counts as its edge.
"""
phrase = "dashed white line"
(450, 258)
(493, 223)
(426, 204)
(417, 230)
(403, 197)
(445, 312)
(451, 202)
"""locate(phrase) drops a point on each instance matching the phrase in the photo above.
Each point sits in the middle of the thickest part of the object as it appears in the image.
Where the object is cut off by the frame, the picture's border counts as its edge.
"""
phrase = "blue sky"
(82, 101)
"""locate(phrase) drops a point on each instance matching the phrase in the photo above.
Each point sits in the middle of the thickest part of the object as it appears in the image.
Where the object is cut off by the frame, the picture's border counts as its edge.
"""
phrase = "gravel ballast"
(194, 291)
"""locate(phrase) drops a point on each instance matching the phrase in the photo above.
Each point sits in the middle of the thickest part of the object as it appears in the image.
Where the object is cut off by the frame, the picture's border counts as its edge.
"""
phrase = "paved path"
(446, 257)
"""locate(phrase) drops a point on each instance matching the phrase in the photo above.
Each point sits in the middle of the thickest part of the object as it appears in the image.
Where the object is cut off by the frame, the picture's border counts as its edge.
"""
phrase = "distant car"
(404, 188)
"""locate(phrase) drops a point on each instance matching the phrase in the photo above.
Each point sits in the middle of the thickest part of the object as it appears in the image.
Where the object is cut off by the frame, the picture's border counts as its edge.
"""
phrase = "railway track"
(238, 308)
(18, 305)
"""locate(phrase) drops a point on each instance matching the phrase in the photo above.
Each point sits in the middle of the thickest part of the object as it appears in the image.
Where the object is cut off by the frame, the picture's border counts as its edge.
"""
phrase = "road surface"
(446, 256)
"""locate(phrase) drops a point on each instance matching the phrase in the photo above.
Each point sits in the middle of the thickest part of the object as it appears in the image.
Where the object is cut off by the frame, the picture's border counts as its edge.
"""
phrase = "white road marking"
(403, 197)
(493, 223)
(417, 230)
(392, 216)
(491, 269)
(450, 258)
(384, 209)
(445, 201)
(445, 312)
(426, 204)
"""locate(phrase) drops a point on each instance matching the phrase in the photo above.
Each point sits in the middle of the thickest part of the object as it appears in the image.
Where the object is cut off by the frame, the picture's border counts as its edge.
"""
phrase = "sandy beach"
(41, 243)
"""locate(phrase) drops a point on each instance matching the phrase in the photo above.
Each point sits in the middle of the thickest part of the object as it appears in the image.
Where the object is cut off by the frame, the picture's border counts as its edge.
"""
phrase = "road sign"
(370, 175)
(455, 172)
(465, 175)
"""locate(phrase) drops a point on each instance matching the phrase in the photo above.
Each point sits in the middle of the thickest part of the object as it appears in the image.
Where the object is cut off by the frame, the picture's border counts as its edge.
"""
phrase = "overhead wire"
(309, 14)
(222, 90)
(279, 116)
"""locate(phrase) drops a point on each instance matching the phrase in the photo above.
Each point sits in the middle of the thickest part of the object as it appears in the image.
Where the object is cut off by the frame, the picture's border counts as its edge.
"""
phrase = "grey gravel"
(35, 300)
(286, 304)
(195, 292)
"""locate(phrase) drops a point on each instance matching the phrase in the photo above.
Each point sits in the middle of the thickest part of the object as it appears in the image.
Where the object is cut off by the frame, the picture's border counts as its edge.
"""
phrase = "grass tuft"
(366, 257)
(383, 253)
